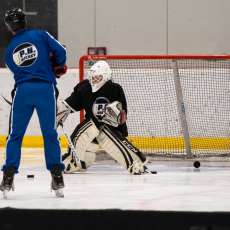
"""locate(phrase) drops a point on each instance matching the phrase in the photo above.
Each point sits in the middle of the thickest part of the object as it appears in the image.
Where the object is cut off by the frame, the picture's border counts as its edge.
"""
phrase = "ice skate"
(7, 183)
(57, 183)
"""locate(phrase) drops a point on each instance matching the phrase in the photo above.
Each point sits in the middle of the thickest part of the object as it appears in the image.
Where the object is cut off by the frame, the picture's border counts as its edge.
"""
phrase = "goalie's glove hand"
(114, 114)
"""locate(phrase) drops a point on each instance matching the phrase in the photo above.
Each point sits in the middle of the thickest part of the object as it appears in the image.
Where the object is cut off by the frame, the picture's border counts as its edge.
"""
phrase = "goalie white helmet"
(99, 74)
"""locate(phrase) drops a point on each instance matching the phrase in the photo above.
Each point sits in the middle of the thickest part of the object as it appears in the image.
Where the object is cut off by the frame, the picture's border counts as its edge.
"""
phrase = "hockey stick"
(6, 100)
(73, 150)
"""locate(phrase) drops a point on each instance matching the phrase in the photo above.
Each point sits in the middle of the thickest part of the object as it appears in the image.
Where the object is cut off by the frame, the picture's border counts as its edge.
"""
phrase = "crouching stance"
(104, 126)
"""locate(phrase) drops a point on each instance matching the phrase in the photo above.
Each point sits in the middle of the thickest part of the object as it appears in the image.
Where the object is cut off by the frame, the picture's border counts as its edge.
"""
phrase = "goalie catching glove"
(114, 114)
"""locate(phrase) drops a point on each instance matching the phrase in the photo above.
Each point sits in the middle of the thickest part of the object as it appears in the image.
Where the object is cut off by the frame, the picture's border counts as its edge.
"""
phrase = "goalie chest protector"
(83, 98)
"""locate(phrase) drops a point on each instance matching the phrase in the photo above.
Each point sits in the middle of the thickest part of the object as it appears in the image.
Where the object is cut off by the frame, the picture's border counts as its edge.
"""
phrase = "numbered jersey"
(94, 104)
(28, 55)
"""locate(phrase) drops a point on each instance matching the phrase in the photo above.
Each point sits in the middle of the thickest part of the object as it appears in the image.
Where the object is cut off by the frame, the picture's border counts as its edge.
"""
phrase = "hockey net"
(178, 105)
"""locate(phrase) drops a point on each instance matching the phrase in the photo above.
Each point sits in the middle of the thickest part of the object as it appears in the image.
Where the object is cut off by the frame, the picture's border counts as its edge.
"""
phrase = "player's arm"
(123, 115)
(57, 69)
(122, 98)
(75, 99)
(8, 59)
(71, 104)
(57, 49)
(57, 55)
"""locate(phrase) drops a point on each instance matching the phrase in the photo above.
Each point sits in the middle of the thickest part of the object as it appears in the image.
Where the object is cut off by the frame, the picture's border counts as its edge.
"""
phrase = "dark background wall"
(40, 14)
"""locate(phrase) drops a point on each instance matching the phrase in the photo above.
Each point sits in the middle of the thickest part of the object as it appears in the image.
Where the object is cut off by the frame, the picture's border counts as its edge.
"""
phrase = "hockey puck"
(30, 176)
(196, 164)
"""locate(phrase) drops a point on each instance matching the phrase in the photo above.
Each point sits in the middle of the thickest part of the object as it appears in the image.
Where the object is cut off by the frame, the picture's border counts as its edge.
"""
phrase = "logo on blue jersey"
(25, 54)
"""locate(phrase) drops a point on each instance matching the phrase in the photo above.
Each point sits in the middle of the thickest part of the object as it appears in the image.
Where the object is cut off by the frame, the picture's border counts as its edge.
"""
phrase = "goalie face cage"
(178, 105)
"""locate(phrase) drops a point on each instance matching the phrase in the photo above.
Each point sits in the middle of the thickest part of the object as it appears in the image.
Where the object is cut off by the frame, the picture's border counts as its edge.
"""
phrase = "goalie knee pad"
(86, 133)
(122, 151)
(82, 138)
(90, 154)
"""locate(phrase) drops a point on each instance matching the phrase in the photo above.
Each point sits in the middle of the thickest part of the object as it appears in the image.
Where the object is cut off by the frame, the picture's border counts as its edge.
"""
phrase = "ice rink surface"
(176, 187)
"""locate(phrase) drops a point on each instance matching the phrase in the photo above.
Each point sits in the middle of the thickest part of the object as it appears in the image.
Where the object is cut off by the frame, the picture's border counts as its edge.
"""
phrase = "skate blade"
(5, 194)
(59, 193)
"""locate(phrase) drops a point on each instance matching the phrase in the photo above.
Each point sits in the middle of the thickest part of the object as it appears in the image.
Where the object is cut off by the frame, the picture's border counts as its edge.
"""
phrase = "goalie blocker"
(87, 139)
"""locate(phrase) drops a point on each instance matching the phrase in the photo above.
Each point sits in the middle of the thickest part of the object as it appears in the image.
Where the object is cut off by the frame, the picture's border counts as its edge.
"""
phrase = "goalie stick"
(73, 150)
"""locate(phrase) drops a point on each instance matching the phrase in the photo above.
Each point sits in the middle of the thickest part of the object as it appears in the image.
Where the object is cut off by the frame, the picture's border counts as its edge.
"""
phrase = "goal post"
(178, 105)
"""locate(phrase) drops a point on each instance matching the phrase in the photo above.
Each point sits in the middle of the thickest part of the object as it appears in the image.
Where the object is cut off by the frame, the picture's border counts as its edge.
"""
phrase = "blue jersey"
(28, 55)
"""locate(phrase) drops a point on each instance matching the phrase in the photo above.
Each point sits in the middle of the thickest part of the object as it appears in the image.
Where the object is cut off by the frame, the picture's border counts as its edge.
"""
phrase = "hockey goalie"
(104, 126)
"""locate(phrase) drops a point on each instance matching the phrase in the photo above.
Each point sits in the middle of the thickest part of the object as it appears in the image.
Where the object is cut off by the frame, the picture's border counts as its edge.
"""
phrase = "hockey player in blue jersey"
(28, 57)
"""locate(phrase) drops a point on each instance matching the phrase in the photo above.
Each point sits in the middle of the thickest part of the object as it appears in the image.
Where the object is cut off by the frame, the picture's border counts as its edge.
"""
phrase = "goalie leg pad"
(136, 154)
(82, 137)
(90, 154)
(72, 166)
(86, 133)
(117, 152)
(122, 151)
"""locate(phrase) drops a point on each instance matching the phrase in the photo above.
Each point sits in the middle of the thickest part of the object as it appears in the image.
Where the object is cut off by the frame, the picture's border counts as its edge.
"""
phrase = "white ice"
(177, 186)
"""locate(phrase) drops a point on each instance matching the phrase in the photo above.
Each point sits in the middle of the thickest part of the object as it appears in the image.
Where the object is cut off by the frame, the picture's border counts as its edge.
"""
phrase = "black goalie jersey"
(94, 103)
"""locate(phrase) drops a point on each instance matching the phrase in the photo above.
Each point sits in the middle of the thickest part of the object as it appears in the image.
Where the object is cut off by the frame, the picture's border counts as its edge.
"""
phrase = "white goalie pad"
(90, 154)
(125, 155)
(85, 149)
(85, 135)
(72, 166)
